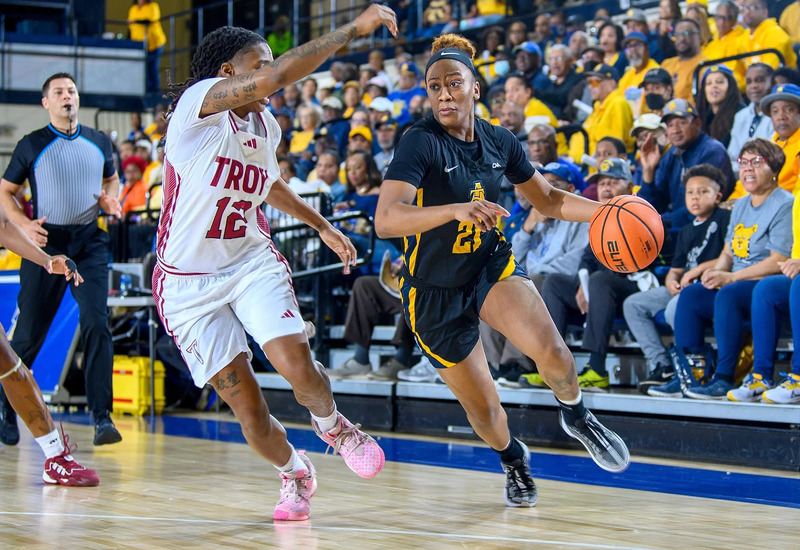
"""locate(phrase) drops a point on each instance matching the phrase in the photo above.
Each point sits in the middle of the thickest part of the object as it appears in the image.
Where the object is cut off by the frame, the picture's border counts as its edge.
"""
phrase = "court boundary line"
(297, 525)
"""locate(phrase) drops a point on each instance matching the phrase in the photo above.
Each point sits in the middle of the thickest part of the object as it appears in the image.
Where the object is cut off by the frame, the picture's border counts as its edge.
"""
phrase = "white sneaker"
(351, 367)
(787, 393)
(751, 389)
(421, 372)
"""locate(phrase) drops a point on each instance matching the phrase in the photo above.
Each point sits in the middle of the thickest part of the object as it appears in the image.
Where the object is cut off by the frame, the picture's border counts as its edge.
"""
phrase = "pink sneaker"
(360, 452)
(297, 490)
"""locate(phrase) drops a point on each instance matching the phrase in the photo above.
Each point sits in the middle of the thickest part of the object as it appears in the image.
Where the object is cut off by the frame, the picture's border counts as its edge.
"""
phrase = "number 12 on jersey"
(234, 225)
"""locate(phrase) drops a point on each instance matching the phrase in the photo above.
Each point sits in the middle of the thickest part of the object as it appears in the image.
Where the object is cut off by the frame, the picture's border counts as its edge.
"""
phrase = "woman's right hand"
(375, 16)
(482, 213)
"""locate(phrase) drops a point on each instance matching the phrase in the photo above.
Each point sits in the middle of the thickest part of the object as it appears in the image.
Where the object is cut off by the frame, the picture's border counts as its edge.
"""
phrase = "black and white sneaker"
(520, 488)
(605, 447)
(660, 376)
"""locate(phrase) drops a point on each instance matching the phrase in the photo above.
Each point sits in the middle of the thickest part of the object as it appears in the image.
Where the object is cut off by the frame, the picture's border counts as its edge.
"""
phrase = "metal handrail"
(718, 61)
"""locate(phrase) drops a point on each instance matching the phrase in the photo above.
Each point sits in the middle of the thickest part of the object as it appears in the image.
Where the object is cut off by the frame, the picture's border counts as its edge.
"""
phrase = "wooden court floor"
(168, 491)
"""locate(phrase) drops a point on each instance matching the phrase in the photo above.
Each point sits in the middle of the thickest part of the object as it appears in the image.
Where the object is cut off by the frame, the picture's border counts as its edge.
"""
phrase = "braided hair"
(218, 47)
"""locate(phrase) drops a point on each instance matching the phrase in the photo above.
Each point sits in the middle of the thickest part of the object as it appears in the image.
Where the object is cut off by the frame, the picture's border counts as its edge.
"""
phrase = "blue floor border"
(676, 480)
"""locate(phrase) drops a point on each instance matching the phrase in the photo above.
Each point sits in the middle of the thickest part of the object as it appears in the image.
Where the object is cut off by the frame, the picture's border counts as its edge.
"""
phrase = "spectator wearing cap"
(528, 62)
(718, 101)
(351, 93)
(645, 126)
(379, 108)
(335, 125)
(377, 86)
(144, 150)
(783, 107)
(360, 140)
(790, 21)
(611, 116)
(562, 78)
(134, 193)
(662, 184)
(386, 132)
(681, 67)
(637, 51)
(407, 89)
(658, 90)
(610, 39)
(730, 32)
(635, 20)
(593, 289)
(763, 32)
(751, 122)
(285, 119)
(376, 60)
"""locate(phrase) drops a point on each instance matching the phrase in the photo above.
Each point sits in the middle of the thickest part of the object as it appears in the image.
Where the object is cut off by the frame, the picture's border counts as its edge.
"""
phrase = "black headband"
(454, 54)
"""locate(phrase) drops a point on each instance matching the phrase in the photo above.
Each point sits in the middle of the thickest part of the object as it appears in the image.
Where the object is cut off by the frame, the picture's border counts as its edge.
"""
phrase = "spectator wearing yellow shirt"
(637, 50)
(520, 91)
(682, 66)
(783, 107)
(611, 117)
(727, 44)
(764, 33)
(144, 23)
(790, 21)
(308, 116)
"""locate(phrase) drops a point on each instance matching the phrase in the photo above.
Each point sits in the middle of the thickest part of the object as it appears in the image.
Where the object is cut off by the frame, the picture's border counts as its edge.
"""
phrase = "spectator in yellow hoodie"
(764, 33)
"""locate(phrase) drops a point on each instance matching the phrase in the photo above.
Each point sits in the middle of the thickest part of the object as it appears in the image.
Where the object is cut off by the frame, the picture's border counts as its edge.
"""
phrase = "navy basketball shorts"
(445, 320)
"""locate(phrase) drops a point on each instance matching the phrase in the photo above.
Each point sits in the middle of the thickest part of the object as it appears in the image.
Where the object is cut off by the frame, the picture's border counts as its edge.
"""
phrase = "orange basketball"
(626, 234)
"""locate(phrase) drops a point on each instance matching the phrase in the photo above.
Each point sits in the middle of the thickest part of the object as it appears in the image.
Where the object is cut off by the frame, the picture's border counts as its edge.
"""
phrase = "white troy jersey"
(217, 172)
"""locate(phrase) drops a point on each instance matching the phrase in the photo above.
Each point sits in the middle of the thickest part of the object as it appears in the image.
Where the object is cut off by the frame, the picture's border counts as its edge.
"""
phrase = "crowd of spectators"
(623, 104)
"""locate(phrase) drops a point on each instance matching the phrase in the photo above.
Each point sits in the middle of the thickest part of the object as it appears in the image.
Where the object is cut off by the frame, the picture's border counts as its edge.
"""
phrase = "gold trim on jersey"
(412, 315)
(509, 269)
(412, 260)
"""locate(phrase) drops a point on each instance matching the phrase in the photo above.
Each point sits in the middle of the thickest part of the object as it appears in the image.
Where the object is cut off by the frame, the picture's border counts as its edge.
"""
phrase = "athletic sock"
(326, 423)
(572, 410)
(597, 362)
(51, 444)
(361, 355)
(294, 464)
(512, 452)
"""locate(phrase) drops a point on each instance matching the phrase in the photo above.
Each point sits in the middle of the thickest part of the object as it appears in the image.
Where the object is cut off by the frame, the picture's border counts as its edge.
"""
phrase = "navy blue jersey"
(65, 172)
(446, 170)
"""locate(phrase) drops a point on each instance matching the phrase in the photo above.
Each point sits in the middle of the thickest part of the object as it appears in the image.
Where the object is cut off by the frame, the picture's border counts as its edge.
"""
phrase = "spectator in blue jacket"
(662, 175)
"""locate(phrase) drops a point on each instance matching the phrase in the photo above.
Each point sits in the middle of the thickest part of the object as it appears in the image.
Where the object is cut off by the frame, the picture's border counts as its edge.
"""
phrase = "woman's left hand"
(341, 246)
(790, 268)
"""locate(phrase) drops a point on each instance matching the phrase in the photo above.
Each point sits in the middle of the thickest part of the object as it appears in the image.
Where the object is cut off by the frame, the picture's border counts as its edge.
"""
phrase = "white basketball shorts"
(208, 315)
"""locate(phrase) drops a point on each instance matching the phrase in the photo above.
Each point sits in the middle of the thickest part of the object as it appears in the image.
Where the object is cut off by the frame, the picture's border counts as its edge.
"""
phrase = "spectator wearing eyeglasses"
(637, 51)
(727, 44)
(542, 149)
(759, 238)
(682, 66)
(764, 33)
(783, 107)
(751, 122)
(635, 20)
(496, 97)
(563, 78)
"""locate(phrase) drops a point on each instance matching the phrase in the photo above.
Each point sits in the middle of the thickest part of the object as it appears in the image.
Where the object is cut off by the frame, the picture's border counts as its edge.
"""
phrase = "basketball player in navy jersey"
(439, 194)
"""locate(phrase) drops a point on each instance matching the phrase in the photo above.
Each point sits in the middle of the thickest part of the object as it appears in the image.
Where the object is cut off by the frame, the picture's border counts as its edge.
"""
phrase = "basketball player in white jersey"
(219, 273)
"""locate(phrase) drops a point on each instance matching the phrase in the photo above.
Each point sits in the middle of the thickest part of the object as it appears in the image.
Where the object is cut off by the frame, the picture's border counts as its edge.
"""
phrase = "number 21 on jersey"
(468, 239)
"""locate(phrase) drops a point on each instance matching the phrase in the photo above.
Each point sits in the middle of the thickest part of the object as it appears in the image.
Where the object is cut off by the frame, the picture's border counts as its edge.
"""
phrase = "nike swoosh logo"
(448, 170)
(449, 53)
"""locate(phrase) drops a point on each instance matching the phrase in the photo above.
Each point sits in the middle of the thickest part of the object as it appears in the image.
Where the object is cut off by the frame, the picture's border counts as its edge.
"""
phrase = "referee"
(72, 176)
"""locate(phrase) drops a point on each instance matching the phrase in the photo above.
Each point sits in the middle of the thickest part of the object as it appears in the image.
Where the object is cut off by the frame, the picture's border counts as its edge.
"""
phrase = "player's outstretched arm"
(286, 200)
(396, 216)
(555, 203)
(16, 240)
(294, 64)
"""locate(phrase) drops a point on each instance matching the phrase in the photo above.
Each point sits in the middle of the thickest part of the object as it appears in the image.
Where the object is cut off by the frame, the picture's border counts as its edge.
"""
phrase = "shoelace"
(521, 480)
(351, 431)
(791, 379)
(65, 439)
